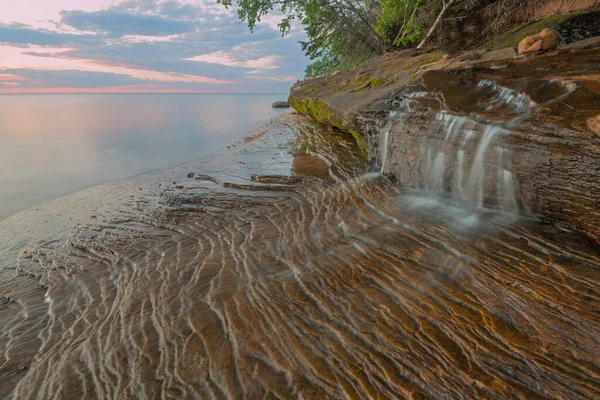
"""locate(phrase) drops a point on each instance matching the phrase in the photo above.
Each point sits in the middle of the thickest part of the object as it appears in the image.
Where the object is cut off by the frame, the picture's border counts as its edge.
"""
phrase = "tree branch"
(445, 8)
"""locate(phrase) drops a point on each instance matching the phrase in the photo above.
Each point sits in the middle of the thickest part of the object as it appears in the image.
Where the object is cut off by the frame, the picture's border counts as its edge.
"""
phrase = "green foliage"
(341, 33)
(397, 21)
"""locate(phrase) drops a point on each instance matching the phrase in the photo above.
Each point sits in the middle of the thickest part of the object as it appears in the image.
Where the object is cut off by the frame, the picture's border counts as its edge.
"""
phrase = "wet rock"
(594, 124)
(191, 175)
(543, 150)
(589, 43)
(467, 56)
(498, 55)
(6, 301)
(280, 104)
(543, 41)
(579, 27)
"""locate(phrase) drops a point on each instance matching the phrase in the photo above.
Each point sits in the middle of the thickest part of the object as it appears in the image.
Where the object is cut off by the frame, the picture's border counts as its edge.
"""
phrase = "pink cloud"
(38, 13)
(17, 57)
(12, 77)
(11, 80)
(105, 89)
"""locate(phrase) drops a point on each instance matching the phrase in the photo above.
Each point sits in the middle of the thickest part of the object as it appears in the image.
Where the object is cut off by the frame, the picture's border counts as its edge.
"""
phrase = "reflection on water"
(257, 276)
(53, 145)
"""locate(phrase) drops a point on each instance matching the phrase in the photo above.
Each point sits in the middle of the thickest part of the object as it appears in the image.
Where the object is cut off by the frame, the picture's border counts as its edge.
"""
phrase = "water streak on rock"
(253, 282)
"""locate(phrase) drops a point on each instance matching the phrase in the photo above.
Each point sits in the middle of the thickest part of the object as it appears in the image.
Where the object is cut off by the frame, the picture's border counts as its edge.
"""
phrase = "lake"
(55, 145)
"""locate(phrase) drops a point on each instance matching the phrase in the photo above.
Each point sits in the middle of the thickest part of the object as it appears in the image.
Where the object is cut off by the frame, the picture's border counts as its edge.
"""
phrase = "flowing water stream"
(278, 269)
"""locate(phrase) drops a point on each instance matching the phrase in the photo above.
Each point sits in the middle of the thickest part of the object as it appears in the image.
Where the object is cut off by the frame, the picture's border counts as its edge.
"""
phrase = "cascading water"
(458, 161)
(520, 102)
(383, 147)
(393, 118)
(435, 176)
(474, 187)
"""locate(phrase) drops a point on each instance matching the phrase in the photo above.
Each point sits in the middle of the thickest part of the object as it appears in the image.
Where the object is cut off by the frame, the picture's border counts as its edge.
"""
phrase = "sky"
(125, 46)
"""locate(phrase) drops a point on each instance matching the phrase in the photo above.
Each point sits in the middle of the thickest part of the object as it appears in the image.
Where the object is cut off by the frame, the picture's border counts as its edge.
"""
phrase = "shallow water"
(54, 145)
(279, 269)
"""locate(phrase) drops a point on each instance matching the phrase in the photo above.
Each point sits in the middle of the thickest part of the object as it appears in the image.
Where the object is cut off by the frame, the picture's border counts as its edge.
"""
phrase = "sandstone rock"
(280, 104)
(498, 55)
(467, 56)
(543, 41)
(589, 43)
(594, 124)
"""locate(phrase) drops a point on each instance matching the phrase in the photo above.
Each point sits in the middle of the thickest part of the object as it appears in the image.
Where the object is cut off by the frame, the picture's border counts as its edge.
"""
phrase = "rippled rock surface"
(279, 269)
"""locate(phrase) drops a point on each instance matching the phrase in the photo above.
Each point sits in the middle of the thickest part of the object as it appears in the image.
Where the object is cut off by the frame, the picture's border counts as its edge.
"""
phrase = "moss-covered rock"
(319, 110)
(365, 82)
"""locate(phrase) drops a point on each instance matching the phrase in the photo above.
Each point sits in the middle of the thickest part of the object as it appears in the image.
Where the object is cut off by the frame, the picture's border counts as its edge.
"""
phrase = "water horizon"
(55, 144)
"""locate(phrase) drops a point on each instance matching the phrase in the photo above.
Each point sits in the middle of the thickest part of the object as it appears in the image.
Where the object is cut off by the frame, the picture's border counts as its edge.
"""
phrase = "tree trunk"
(445, 8)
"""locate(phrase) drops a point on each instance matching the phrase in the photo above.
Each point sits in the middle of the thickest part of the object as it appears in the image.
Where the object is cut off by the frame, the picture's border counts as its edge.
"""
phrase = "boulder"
(545, 40)
(280, 104)
(594, 124)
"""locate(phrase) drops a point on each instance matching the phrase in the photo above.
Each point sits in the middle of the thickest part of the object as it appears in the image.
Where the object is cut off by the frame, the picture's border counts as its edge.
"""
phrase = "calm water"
(54, 145)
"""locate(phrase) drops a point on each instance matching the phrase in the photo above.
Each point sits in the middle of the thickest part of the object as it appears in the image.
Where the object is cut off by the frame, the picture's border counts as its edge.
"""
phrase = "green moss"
(359, 140)
(414, 76)
(365, 82)
(416, 62)
(318, 109)
(512, 37)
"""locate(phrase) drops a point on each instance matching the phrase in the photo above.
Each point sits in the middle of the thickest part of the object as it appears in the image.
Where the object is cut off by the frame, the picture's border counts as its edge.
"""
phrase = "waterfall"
(435, 176)
(383, 145)
(457, 159)
(475, 182)
(458, 180)
(507, 199)
(390, 121)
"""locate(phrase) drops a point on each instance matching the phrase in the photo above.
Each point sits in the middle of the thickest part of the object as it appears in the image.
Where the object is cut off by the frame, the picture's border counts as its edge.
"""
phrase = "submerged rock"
(280, 104)
(543, 41)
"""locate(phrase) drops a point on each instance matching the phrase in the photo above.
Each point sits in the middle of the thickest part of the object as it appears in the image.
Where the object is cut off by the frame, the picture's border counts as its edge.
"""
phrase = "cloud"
(11, 80)
(194, 45)
(118, 23)
(145, 39)
(234, 58)
(24, 34)
(61, 62)
(280, 78)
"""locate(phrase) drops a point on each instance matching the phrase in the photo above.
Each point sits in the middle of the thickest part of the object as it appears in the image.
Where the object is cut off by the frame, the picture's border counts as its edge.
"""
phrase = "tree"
(397, 21)
(341, 33)
(446, 4)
